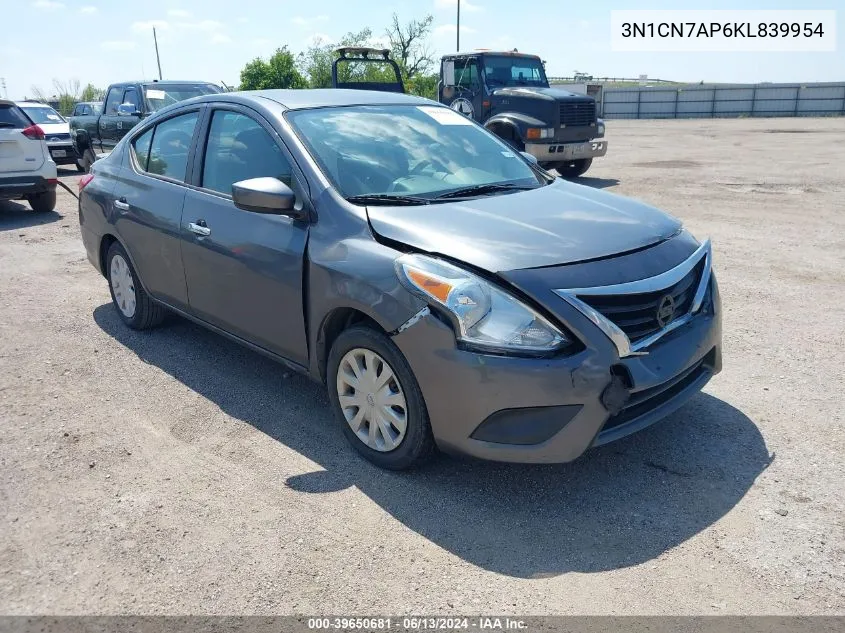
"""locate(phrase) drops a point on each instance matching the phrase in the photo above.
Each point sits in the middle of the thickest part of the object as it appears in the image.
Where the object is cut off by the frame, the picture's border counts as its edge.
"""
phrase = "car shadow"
(67, 170)
(596, 183)
(617, 506)
(17, 215)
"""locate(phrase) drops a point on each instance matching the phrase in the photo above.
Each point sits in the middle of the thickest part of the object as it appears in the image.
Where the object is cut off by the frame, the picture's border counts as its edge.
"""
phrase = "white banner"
(723, 31)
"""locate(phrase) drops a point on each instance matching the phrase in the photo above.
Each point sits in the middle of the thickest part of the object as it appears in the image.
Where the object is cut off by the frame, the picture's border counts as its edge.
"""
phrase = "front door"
(244, 269)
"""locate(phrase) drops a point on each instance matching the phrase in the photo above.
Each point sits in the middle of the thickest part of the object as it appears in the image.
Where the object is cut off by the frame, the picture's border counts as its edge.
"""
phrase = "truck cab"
(509, 93)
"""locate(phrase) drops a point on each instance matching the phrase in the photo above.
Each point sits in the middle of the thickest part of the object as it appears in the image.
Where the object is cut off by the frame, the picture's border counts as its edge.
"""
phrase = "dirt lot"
(174, 472)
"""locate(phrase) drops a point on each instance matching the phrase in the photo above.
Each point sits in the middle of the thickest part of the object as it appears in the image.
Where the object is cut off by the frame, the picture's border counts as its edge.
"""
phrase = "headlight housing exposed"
(486, 317)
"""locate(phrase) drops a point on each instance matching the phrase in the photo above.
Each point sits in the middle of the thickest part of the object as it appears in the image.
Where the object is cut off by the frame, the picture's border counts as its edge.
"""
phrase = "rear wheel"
(133, 304)
(43, 202)
(377, 400)
(573, 168)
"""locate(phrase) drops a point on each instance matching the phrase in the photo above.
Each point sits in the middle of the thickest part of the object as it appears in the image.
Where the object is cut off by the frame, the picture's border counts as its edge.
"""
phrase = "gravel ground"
(174, 472)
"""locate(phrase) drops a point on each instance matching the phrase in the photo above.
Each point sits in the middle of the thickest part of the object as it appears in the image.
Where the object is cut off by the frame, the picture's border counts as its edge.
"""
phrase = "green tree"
(91, 93)
(409, 45)
(315, 63)
(277, 72)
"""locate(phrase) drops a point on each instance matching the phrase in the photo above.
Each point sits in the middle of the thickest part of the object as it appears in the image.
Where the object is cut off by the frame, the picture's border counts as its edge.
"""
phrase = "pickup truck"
(126, 104)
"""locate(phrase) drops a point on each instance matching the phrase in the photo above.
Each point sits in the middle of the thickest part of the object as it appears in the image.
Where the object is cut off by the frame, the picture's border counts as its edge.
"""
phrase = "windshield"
(162, 95)
(508, 70)
(407, 150)
(40, 114)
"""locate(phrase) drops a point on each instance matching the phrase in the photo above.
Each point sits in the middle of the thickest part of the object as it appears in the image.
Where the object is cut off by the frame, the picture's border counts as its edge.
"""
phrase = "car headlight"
(600, 128)
(486, 317)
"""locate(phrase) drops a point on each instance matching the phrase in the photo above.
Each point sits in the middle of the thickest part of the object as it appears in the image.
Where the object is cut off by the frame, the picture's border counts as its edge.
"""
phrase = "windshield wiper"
(388, 199)
(478, 190)
(6, 124)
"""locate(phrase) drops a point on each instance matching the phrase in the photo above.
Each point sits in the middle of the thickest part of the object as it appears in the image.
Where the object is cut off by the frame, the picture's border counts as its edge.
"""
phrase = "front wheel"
(377, 400)
(574, 168)
(88, 158)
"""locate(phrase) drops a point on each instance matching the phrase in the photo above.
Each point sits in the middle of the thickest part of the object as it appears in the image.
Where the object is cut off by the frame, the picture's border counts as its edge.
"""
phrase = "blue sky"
(105, 41)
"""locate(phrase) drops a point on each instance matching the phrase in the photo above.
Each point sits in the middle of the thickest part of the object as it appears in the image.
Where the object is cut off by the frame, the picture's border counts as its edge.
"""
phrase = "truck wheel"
(574, 168)
(88, 158)
(43, 202)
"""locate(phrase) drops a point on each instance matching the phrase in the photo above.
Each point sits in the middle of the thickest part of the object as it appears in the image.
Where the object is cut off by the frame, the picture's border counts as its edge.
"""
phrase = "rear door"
(243, 269)
(109, 120)
(17, 152)
(148, 200)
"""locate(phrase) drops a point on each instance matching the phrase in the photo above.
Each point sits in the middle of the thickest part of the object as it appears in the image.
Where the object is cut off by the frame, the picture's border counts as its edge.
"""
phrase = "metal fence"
(734, 100)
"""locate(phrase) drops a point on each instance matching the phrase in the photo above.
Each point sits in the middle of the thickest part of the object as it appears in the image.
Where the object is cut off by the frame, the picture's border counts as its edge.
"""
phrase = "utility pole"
(158, 61)
(459, 26)
(3, 86)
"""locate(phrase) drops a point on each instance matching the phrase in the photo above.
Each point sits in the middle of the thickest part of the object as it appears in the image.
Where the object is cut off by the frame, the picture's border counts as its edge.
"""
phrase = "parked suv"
(26, 169)
(56, 131)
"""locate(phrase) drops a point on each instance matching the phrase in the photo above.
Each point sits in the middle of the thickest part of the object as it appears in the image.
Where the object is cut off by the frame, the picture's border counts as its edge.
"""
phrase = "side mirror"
(529, 157)
(449, 73)
(266, 195)
(127, 109)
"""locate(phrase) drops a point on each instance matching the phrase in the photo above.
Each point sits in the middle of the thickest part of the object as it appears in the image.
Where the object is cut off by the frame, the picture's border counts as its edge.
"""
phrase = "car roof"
(318, 98)
(483, 51)
(33, 104)
(161, 82)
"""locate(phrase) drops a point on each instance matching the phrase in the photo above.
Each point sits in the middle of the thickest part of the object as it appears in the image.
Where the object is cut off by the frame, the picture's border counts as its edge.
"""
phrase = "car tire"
(134, 306)
(80, 167)
(398, 399)
(574, 168)
(43, 202)
(88, 159)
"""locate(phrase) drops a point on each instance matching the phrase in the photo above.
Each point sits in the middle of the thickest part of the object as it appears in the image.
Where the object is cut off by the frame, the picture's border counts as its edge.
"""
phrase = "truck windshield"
(512, 70)
(161, 95)
(399, 151)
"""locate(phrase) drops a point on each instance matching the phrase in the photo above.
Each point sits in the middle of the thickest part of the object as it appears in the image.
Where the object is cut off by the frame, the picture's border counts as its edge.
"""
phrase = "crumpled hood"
(561, 223)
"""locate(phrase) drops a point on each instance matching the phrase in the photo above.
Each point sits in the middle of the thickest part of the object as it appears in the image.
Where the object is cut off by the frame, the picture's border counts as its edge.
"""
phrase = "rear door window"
(171, 143)
(141, 148)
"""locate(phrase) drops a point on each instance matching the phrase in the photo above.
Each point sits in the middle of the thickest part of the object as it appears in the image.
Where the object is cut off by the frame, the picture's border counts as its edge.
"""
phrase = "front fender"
(516, 121)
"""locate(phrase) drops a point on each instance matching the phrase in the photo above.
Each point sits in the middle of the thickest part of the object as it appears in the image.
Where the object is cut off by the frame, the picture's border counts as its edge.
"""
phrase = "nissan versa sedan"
(447, 291)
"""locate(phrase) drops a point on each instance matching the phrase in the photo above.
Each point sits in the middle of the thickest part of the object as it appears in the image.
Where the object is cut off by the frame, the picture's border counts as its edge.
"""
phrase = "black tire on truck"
(88, 158)
(573, 168)
(43, 202)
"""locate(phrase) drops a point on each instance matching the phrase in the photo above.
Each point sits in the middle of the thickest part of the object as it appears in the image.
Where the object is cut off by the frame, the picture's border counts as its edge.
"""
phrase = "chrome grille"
(636, 314)
(577, 113)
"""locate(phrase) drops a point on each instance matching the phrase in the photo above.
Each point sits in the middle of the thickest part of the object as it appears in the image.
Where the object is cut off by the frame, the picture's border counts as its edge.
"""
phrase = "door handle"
(121, 204)
(199, 228)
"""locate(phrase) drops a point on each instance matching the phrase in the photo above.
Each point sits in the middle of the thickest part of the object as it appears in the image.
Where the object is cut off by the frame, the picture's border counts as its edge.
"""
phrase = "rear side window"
(12, 117)
(239, 148)
(141, 147)
(113, 100)
(167, 152)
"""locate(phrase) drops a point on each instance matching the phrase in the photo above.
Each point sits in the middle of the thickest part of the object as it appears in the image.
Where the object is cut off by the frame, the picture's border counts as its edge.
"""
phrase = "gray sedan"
(447, 291)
